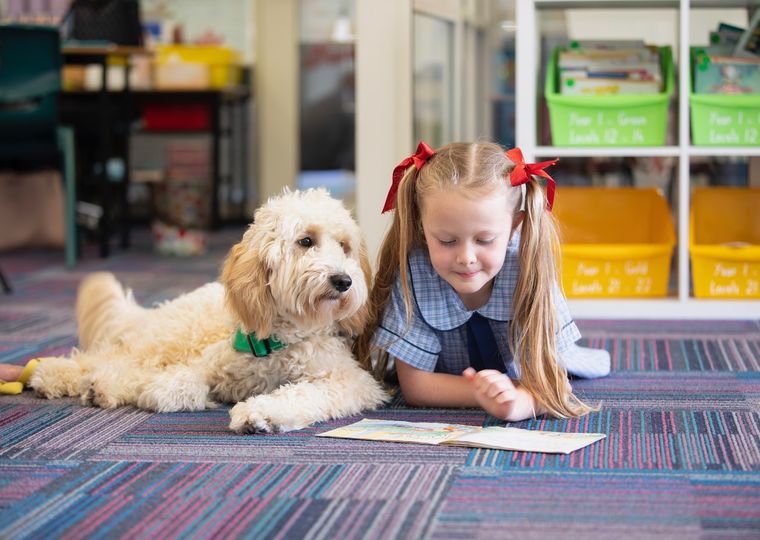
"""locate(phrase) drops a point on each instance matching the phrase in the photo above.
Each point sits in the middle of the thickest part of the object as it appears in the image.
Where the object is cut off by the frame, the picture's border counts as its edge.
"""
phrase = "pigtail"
(405, 232)
(533, 334)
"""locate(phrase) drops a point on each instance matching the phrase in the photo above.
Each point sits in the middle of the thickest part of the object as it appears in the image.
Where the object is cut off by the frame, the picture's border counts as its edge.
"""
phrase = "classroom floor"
(681, 411)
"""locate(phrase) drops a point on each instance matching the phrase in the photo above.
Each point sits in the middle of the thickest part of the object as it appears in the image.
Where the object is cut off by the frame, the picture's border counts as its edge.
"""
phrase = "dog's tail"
(102, 305)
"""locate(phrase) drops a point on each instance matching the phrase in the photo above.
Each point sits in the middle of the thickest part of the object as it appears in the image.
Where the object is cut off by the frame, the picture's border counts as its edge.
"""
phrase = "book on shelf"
(749, 42)
(609, 67)
(597, 85)
(726, 74)
(731, 63)
(607, 44)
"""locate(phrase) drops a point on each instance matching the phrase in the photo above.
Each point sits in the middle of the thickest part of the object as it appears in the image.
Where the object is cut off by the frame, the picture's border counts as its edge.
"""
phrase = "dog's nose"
(341, 282)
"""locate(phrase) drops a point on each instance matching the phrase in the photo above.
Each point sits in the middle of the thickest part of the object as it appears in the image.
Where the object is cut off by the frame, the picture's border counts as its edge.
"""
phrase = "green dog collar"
(248, 343)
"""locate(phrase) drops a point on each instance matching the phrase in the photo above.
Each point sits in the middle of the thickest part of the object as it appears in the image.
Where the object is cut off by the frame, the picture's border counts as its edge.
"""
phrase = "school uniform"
(437, 338)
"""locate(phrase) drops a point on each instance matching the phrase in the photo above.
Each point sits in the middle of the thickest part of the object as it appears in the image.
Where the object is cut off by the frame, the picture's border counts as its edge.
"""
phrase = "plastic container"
(609, 120)
(616, 242)
(179, 117)
(721, 119)
(181, 76)
(724, 119)
(724, 241)
(176, 65)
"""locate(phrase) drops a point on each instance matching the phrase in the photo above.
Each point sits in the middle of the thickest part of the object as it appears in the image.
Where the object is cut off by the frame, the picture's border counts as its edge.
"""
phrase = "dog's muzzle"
(341, 282)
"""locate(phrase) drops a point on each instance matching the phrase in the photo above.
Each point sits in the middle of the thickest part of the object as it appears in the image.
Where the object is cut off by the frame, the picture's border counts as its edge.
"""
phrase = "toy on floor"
(13, 378)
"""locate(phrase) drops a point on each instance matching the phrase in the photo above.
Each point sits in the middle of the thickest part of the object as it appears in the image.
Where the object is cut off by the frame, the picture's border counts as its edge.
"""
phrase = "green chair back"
(30, 80)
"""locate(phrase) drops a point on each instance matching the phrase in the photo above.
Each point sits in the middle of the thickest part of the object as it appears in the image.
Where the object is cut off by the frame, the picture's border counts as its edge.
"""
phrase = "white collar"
(440, 305)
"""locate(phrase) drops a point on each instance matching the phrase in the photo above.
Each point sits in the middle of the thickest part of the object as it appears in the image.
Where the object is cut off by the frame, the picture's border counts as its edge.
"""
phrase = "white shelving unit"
(528, 66)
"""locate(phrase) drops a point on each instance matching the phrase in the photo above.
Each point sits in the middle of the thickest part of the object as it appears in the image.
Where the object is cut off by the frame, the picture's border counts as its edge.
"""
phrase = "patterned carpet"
(681, 411)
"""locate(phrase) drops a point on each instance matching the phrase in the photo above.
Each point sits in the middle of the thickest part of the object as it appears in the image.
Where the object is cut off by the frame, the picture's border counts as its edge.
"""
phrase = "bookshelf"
(526, 99)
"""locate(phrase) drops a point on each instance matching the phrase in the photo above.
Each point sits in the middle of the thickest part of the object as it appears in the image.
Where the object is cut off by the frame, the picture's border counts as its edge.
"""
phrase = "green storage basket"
(616, 120)
(723, 119)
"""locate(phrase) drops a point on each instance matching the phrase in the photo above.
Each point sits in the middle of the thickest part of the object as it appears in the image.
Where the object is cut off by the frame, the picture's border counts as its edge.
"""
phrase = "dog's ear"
(355, 324)
(244, 276)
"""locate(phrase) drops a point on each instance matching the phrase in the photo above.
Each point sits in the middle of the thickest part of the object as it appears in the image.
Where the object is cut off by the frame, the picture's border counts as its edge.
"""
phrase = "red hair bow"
(523, 172)
(418, 159)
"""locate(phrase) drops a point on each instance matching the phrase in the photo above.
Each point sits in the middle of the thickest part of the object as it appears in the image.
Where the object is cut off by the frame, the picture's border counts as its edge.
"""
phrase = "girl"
(465, 299)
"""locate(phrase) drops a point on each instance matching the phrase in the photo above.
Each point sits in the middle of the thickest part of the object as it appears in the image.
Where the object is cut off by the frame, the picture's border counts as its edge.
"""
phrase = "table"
(79, 54)
(230, 102)
(226, 104)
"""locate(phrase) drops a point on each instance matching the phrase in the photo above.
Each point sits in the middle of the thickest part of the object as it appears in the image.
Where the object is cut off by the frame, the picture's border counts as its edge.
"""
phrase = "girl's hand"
(498, 395)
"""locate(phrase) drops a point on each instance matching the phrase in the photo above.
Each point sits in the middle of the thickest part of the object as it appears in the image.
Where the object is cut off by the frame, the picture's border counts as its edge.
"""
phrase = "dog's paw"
(55, 378)
(91, 396)
(246, 417)
(42, 389)
(46, 393)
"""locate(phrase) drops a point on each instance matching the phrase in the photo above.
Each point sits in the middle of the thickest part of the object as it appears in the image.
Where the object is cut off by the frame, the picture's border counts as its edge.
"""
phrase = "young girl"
(465, 300)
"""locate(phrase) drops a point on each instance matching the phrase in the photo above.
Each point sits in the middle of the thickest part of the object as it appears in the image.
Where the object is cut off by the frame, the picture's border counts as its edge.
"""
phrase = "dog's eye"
(346, 247)
(306, 241)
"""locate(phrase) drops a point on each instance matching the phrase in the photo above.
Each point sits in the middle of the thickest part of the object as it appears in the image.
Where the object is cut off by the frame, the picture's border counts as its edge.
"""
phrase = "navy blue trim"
(409, 342)
(571, 321)
(414, 294)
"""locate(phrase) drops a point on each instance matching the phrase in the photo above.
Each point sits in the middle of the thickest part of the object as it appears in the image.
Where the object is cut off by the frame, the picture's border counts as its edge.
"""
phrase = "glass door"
(450, 65)
(433, 79)
(327, 97)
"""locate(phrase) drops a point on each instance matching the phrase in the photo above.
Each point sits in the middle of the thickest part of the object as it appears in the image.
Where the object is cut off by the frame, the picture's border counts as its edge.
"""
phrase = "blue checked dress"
(437, 338)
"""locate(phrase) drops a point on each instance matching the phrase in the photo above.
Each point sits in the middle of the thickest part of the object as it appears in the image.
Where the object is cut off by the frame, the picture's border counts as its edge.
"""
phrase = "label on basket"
(730, 126)
(733, 279)
(616, 128)
(635, 277)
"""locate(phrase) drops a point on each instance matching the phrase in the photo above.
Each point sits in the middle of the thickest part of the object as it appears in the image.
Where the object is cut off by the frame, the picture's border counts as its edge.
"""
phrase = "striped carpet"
(681, 411)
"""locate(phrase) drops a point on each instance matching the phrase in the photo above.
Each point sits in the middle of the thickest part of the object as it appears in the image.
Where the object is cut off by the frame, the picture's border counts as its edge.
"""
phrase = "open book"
(502, 438)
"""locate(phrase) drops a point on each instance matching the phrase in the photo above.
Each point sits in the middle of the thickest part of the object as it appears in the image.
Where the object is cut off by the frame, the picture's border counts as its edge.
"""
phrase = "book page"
(526, 440)
(400, 431)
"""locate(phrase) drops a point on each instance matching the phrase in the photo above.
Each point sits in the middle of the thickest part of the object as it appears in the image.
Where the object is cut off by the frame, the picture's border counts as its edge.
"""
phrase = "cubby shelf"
(526, 96)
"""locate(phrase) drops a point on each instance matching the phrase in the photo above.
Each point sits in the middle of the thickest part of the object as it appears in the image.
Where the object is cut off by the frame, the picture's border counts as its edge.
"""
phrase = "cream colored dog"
(299, 277)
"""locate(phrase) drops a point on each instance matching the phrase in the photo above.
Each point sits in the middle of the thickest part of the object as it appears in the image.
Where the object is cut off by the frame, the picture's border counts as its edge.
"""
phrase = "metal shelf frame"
(526, 101)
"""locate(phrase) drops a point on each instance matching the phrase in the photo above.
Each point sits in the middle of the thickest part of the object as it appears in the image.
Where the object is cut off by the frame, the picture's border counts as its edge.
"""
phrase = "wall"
(230, 20)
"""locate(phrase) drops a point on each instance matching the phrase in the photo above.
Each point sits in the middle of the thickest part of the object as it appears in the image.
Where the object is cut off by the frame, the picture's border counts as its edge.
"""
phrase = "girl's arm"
(491, 390)
(429, 389)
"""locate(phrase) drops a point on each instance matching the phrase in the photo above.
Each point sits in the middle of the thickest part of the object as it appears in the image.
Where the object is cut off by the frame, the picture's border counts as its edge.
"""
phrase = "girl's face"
(467, 241)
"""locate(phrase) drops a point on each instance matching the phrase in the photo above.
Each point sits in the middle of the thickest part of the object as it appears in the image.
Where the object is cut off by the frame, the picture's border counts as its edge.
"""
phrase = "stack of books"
(184, 198)
(592, 68)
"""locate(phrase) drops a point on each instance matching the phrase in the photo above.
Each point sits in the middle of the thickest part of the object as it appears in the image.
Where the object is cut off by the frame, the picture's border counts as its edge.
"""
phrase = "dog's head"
(302, 261)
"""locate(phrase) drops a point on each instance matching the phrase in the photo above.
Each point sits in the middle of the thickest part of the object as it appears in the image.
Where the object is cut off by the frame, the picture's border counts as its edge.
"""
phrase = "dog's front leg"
(60, 376)
(178, 388)
(296, 405)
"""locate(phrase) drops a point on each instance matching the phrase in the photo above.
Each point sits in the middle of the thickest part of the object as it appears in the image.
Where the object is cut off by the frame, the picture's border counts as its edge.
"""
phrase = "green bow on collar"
(249, 343)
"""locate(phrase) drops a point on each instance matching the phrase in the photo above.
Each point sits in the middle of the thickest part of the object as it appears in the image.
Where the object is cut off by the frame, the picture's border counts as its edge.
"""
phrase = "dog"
(273, 336)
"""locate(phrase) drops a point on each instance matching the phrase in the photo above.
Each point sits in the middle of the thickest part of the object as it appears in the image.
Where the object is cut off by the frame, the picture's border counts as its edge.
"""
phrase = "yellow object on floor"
(16, 387)
(10, 388)
(28, 370)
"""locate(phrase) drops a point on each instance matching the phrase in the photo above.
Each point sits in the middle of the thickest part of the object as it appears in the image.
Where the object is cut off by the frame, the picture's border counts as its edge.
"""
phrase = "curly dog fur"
(300, 274)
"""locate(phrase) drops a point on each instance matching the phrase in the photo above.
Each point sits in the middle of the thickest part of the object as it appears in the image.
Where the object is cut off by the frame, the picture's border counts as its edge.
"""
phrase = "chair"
(30, 135)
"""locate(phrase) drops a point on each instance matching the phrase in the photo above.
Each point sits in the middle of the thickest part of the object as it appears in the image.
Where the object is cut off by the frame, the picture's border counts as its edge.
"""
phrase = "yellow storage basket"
(222, 65)
(616, 242)
(724, 240)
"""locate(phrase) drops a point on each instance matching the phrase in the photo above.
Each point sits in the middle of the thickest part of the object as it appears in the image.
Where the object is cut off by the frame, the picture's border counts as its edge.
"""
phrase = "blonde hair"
(478, 169)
